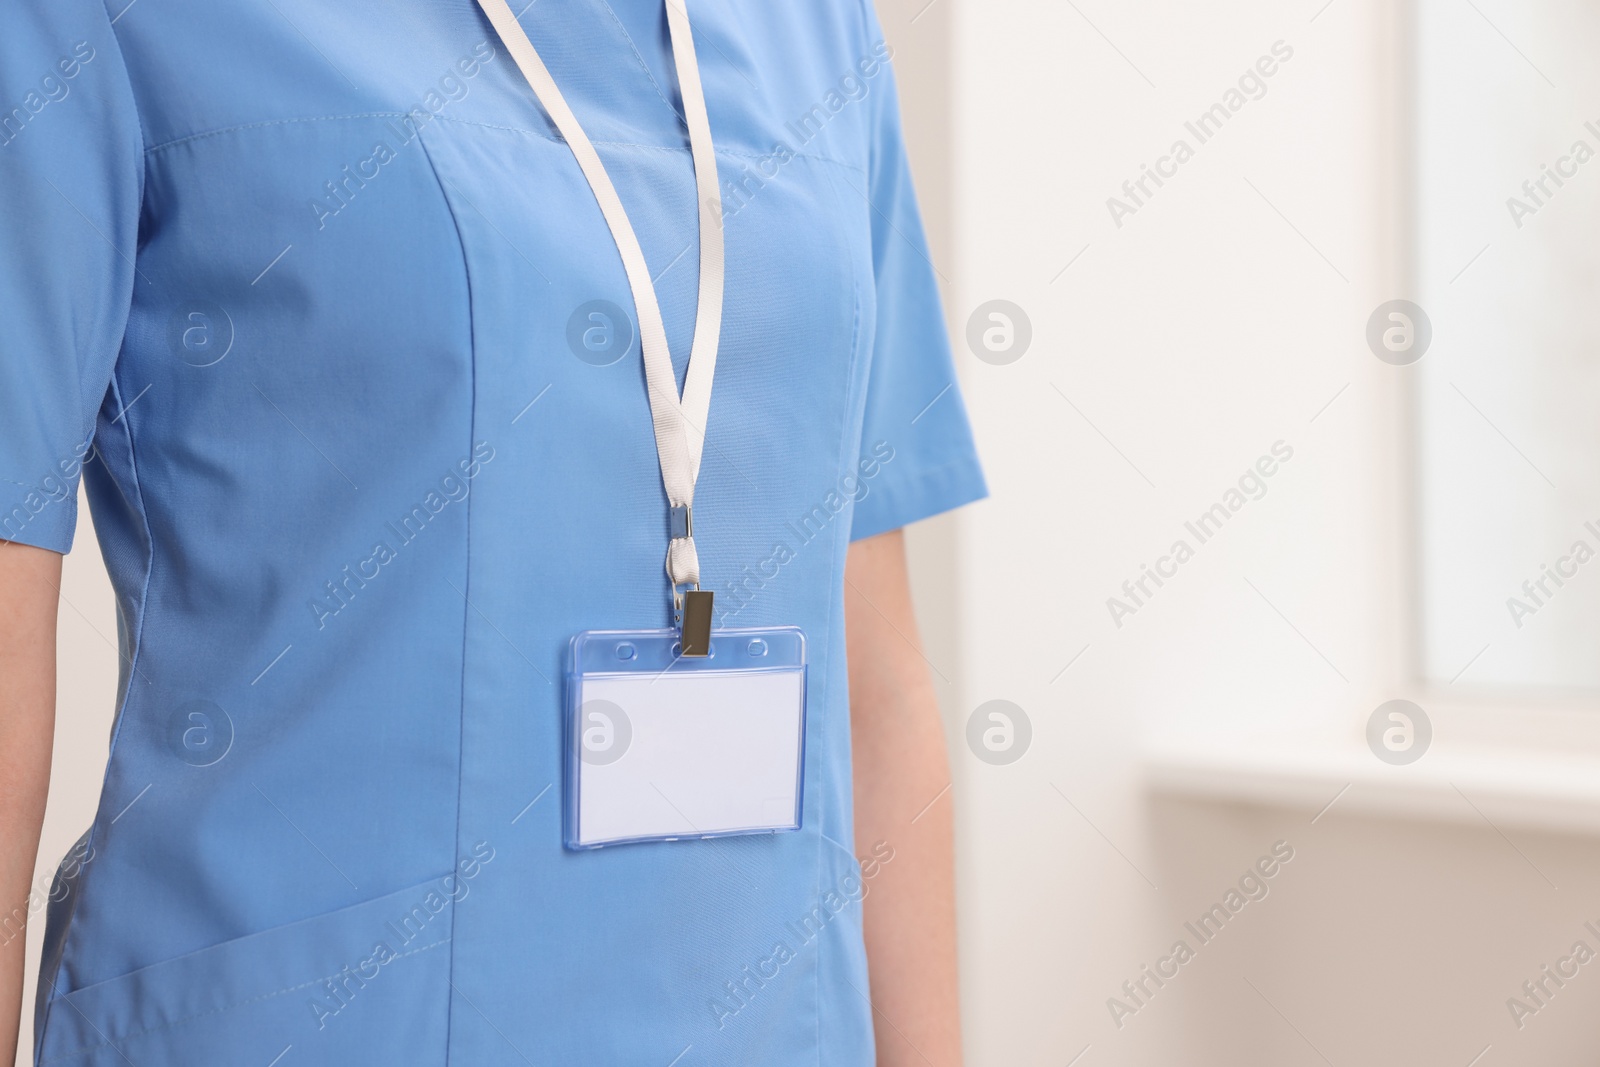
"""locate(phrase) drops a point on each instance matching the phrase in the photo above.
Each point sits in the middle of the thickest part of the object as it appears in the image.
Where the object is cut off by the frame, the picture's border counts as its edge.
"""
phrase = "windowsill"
(1530, 767)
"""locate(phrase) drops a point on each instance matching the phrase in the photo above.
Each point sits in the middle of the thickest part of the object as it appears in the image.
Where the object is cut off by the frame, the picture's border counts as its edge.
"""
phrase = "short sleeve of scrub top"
(321, 309)
(914, 410)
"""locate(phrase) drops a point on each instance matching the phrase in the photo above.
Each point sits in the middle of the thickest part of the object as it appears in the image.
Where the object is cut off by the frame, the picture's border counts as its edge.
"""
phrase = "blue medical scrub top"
(329, 319)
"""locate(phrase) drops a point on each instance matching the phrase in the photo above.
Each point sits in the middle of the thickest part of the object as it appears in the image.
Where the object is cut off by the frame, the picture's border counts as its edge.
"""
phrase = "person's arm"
(30, 582)
(901, 769)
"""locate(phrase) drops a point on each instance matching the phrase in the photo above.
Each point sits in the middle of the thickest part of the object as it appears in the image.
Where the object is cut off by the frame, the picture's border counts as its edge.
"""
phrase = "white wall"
(1223, 316)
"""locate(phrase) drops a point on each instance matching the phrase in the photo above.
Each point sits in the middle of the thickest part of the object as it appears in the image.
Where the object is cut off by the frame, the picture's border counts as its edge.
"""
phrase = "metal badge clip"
(680, 522)
(692, 606)
(694, 617)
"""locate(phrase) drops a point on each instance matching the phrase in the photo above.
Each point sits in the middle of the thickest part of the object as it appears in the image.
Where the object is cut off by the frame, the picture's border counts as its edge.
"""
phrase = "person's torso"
(371, 459)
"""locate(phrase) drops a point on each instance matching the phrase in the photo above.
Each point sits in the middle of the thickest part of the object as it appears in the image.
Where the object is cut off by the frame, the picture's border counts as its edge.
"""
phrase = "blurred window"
(1506, 205)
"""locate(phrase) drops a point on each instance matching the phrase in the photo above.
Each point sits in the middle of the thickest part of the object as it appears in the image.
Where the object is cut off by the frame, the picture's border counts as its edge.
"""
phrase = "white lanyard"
(679, 425)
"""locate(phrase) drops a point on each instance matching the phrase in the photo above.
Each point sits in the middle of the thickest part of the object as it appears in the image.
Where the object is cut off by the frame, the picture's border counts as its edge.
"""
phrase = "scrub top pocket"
(364, 984)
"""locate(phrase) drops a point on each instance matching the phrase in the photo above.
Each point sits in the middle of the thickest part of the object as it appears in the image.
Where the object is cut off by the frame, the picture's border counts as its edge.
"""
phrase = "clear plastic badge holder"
(663, 747)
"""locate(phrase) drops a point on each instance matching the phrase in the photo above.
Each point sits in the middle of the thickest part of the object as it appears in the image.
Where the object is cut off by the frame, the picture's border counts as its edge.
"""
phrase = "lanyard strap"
(680, 426)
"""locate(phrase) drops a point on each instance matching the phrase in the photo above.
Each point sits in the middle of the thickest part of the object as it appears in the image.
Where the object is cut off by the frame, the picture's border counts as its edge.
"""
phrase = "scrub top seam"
(149, 569)
(838, 568)
(112, 1042)
(127, 76)
(737, 153)
(186, 138)
(114, 388)
(867, 20)
(466, 582)
(853, 423)
(720, 149)
(638, 56)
